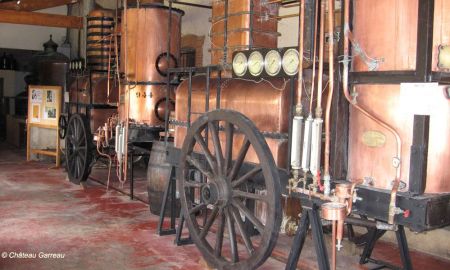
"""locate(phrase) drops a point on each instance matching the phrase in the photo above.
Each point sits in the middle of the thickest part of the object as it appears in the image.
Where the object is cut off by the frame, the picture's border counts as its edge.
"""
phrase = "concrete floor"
(41, 213)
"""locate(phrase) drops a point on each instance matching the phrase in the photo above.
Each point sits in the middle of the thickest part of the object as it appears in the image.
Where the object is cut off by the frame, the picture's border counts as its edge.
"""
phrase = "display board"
(44, 108)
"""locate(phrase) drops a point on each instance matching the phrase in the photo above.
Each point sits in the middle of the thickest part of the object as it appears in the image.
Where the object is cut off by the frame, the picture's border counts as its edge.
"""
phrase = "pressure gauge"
(240, 64)
(272, 63)
(291, 62)
(256, 63)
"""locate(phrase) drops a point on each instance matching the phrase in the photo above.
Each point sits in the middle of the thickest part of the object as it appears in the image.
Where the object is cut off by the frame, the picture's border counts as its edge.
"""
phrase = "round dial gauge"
(240, 64)
(256, 63)
(272, 62)
(291, 62)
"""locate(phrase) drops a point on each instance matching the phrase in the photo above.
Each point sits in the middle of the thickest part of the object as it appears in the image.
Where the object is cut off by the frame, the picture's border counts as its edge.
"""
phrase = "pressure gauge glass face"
(290, 62)
(256, 63)
(272, 63)
(240, 64)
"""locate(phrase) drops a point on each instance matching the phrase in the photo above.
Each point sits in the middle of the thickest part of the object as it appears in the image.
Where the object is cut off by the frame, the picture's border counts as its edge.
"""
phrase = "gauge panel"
(265, 63)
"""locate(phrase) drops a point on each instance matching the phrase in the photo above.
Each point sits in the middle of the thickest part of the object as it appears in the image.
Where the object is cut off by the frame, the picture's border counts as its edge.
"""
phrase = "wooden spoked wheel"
(228, 190)
(78, 148)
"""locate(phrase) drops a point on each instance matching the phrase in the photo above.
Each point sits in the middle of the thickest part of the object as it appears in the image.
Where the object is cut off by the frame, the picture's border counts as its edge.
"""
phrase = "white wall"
(29, 37)
(196, 22)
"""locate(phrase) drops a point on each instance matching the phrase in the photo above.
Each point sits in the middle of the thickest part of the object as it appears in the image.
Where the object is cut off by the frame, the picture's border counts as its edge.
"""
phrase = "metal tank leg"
(170, 190)
(311, 217)
(372, 238)
(178, 240)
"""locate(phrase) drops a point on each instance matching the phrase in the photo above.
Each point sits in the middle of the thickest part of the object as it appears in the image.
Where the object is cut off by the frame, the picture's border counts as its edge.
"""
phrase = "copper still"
(370, 140)
(80, 91)
(396, 105)
(395, 27)
(266, 103)
(243, 24)
(145, 36)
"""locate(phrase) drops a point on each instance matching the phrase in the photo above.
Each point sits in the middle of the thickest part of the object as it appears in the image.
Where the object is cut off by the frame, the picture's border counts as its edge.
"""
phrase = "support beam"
(34, 18)
(32, 5)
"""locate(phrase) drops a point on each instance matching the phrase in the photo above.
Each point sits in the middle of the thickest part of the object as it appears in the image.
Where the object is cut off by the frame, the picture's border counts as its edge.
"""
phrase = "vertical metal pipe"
(316, 134)
(327, 177)
(314, 53)
(297, 122)
(189, 99)
(225, 34)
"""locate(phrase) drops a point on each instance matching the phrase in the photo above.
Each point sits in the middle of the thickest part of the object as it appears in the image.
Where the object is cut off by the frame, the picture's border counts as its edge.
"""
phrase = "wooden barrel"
(158, 174)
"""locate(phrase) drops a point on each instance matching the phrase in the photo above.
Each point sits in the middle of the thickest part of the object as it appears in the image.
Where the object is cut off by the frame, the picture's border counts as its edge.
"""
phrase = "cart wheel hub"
(216, 193)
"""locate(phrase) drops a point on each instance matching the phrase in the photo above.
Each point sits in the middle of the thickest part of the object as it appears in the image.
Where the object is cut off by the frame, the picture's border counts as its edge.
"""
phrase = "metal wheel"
(62, 127)
(226, 192)
(78, 148)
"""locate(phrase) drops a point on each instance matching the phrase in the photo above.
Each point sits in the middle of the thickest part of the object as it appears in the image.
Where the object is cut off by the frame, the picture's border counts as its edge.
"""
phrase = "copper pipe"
(352, 101)
(301, 51)
(330, 85)
(313, 80)
(109, 69)
(320, 75)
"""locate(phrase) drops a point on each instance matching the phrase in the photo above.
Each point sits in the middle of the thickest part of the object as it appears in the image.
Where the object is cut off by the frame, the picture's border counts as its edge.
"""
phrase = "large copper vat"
(371, 159)
(372, 147)
(145, 37)
(398, 28)
(80, 90)
(246, 28)
(265, 103)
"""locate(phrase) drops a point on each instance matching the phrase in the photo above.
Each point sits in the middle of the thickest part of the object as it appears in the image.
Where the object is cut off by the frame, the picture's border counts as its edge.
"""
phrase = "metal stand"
(372, 238)
(310, 216)
(170, 190)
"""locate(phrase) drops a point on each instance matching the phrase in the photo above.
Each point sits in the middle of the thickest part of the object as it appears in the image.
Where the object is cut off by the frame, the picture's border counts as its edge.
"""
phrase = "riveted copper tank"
(266, 104)
(145, 37)
(100, 41)
(79, 91)
(246, 28)
(372, 147)
(397, 27)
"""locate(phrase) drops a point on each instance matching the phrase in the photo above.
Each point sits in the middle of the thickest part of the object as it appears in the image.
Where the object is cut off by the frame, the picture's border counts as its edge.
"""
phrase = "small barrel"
(158, 174)
(100, 40)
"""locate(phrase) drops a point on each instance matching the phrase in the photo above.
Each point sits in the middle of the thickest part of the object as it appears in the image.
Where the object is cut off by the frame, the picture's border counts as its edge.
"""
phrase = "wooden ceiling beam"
(43, 19)
(32, 5)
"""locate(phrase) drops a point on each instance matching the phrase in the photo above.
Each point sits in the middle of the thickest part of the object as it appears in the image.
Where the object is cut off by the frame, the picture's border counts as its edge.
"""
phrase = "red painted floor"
(42, 214)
